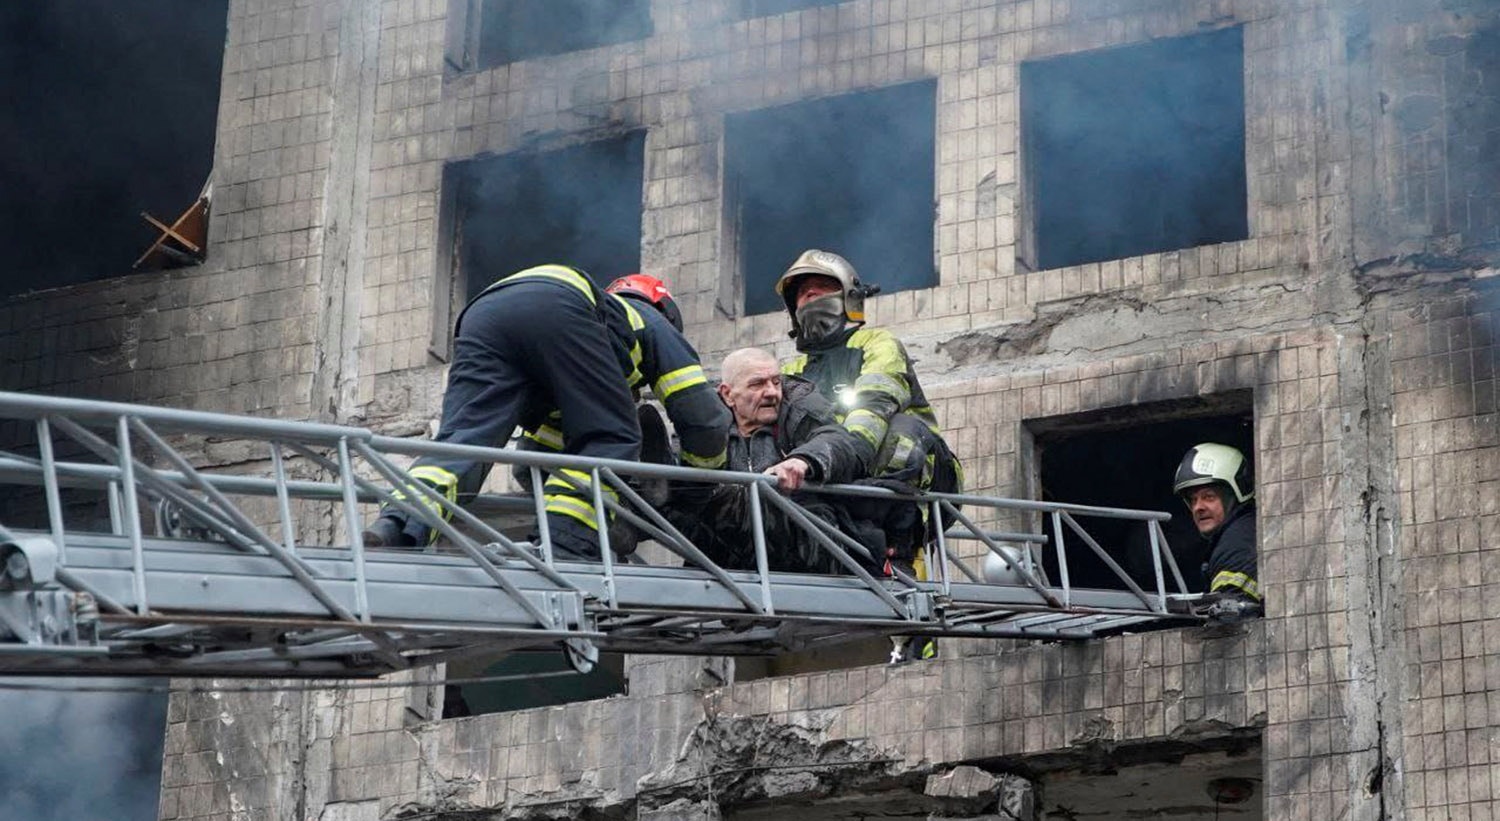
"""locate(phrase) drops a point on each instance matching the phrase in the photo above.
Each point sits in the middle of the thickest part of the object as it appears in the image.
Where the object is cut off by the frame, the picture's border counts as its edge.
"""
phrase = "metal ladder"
(224, 588)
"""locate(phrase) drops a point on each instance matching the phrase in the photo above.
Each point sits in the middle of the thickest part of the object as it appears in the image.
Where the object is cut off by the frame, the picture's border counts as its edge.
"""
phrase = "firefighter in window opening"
(546, 344)
(1215, 483)
(868, 375)
(784, 428)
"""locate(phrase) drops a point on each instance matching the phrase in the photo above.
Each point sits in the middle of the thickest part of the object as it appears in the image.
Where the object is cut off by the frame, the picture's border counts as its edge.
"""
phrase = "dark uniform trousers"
(520, 351)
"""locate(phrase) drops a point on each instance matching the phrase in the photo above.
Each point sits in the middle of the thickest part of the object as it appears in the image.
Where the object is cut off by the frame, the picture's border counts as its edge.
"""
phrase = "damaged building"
(1105, 230)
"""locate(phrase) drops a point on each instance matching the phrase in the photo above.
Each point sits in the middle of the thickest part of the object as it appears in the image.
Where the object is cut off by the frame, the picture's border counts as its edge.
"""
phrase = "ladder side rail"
(684, 546)
(100, 413)
(601, 528)
(941, 540)
(283, 500)
(1061, 547)
(1021, 570)
(356, 540)
(758, 542)
(1166, 551)
(49, 483)
(98, 475)
(465, 544)
(1111, 563)
(996, 502)
(394, 475)
(1156, 566)
(132, 513)
(803, 519)
(243, 534)
(246, 534)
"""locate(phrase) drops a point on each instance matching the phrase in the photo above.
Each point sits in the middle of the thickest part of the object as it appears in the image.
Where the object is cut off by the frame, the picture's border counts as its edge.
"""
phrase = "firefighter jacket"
(868, 376)
(660, 357)
(806, 426)
(1232, 562)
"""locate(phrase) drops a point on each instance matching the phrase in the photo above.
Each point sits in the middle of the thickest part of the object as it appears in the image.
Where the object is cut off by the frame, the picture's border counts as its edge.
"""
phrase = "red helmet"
(652, 290)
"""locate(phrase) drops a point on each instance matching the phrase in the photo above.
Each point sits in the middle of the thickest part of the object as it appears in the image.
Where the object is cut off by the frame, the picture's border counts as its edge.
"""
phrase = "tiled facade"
(1362, 313)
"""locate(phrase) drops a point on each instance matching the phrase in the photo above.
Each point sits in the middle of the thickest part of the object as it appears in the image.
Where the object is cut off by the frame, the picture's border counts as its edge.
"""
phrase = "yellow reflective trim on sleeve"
(670, 383)
(796, 366)
(560, 273)
(904, 446)
(546, 436)
(572, 506)
(867, 425)
(714, 462)
(883, 383)
(1226, 579)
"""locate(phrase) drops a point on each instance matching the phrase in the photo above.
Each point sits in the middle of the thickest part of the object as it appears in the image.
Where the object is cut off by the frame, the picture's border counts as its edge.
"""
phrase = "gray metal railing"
(242, 595)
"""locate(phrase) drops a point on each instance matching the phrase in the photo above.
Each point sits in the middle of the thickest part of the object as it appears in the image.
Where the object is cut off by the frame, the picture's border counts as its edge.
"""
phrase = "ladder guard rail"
(580, 607)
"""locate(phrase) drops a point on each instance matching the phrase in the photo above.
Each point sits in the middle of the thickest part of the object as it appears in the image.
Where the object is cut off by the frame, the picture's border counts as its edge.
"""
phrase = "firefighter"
(548, 343)
(1215, 483)
(868, 375)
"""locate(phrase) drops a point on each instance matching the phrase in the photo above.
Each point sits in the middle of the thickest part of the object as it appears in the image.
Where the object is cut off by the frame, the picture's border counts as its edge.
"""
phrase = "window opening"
(112, 111)
(1134, 150)
(852, 174)
(512, 30)
(578, 206)
(767, 8)
(1126, 457)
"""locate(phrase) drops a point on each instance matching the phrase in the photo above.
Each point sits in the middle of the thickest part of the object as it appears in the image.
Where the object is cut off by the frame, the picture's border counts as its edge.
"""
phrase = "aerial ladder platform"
(121, 555)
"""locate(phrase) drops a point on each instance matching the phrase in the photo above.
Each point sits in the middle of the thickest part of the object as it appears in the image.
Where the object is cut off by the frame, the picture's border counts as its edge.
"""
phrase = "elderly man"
(781, 427)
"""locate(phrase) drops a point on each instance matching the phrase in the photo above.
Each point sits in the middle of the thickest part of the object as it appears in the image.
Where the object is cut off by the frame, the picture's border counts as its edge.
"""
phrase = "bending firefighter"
(547, 343)
(1215, 483)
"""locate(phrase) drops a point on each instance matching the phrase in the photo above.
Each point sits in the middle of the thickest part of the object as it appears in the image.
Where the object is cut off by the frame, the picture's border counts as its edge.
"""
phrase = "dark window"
(525, 680)
(111, 110)
(852, 174)
(511, 30)
(767, 8)
(1134, 150)
(1127, 458)
(578, 206)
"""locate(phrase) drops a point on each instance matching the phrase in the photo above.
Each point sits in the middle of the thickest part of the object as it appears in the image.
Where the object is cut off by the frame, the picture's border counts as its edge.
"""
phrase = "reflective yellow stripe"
(547, 436)
(443, 480)
(796, 366)
(561, 274)
(556, 482)
(883, 383)
(882, 352)
(1235, 579)
(867, 425)
(636, 355)
(679, 379)
(714, 462)
(904, 446)
(572, 506)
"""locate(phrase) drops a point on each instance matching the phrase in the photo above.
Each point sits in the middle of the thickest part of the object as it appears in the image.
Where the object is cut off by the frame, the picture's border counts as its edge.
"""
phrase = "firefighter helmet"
(1211, 463)
(813, 262)
(652, 290)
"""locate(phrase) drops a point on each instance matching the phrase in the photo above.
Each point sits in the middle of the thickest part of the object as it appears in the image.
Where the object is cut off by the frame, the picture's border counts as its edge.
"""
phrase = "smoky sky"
(80, 756)
(110, 110)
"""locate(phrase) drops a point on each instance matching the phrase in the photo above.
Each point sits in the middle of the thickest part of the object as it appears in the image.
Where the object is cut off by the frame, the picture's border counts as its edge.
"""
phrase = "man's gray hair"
(736, 363)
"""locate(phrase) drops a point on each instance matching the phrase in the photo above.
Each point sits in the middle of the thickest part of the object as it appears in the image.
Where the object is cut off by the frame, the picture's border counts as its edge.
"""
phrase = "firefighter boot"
(388, 531)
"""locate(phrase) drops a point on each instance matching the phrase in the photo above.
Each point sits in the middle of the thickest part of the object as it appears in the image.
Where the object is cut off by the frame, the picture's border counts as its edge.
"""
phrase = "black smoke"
(110, 110)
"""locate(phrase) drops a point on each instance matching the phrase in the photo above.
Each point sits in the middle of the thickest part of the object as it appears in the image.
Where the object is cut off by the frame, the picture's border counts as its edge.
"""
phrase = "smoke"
(1136, 149)
(80, 756)
(111, 111)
